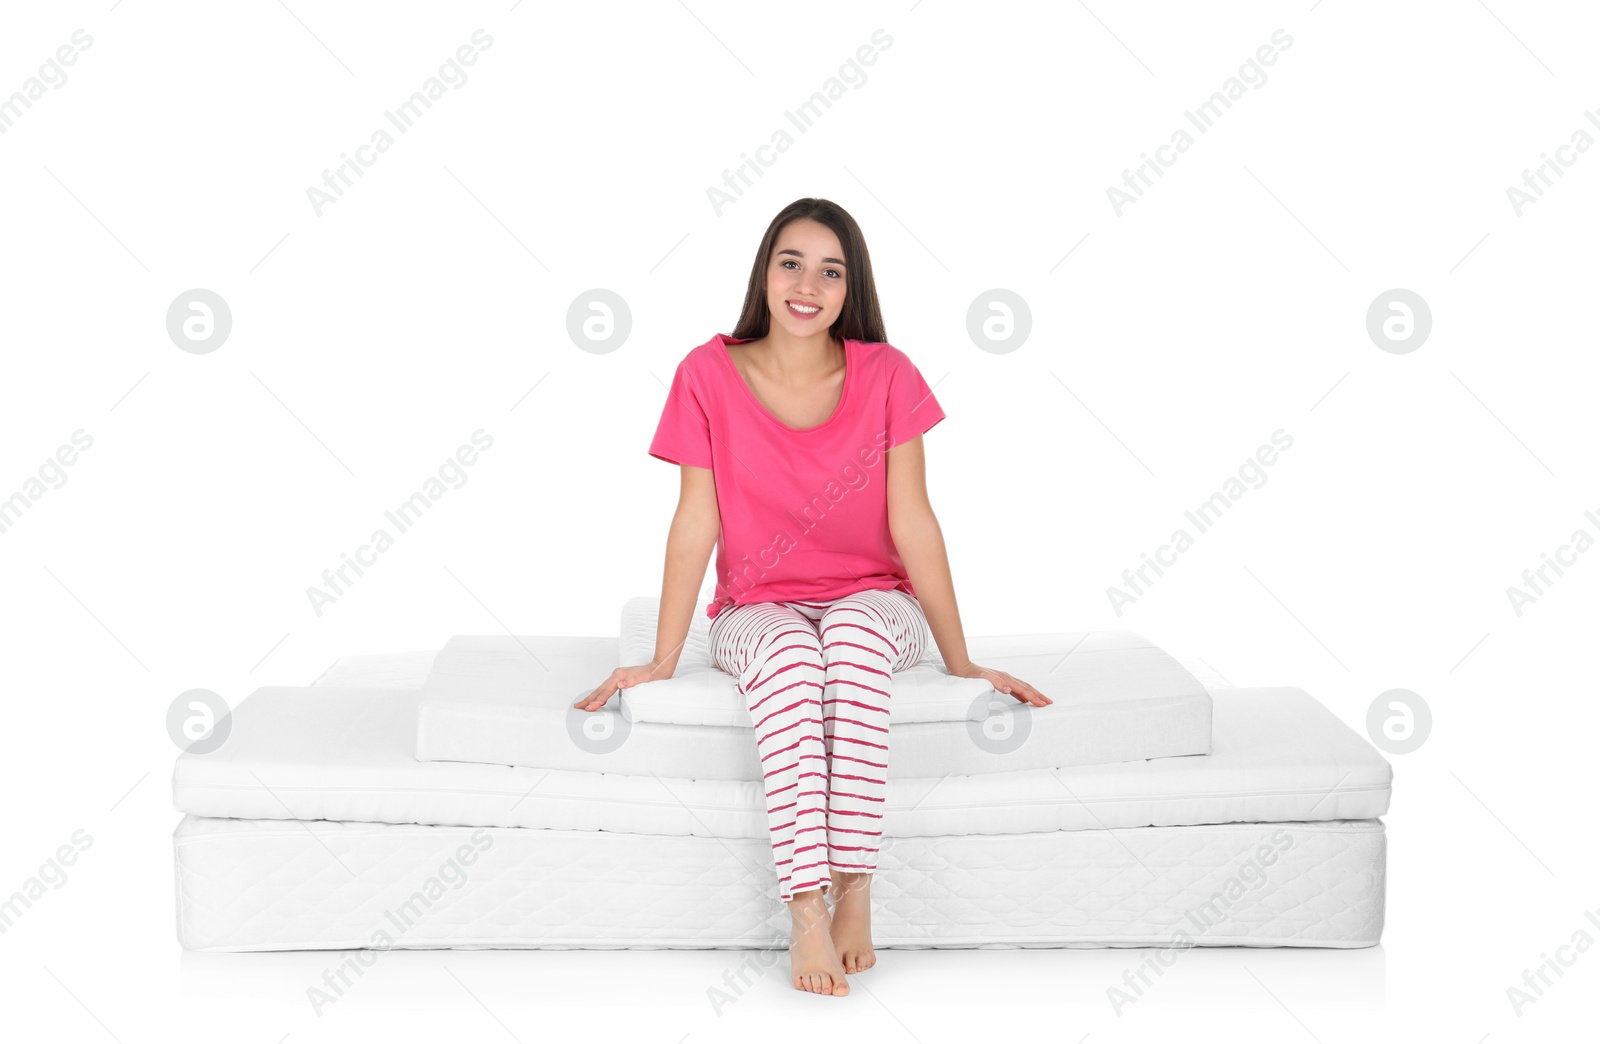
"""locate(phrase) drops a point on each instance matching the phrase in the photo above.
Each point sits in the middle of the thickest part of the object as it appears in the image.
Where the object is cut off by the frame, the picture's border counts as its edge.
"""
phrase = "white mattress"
(276, 885)
(1086, 669)
(509, 701)
(700, 693)
(394, 670)
(324, 753)
(408, 670)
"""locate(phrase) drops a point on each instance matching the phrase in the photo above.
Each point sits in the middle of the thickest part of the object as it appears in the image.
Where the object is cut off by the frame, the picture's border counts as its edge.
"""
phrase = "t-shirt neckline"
(738, 378)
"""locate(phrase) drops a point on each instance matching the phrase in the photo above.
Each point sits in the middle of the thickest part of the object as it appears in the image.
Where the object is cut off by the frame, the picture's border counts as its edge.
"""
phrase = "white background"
(1167, 344)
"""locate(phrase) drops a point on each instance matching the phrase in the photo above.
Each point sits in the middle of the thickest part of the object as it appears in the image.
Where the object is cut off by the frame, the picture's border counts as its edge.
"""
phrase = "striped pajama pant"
(816, 677)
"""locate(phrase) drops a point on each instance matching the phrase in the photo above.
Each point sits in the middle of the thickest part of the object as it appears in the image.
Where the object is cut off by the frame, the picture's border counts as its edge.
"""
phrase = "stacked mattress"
(456, 799)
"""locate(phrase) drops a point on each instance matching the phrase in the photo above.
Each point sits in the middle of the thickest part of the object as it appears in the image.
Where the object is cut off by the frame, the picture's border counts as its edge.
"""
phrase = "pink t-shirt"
(805, 511)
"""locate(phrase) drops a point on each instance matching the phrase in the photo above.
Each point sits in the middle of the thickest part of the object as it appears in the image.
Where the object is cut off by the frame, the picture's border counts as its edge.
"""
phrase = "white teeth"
(803, 308)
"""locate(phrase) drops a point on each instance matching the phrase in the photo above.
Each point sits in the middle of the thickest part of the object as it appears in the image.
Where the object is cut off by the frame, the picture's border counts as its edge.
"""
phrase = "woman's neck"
(798, 360)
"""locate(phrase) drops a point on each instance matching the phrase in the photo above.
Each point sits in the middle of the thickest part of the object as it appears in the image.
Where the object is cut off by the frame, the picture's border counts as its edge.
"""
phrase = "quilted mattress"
(409, 670)
(283, 885)
(345, 754)
(316, 827)
(1091, 673)
(504, 700)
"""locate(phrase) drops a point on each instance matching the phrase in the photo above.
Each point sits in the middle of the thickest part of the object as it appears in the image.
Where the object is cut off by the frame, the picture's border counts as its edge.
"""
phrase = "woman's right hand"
(621, 678)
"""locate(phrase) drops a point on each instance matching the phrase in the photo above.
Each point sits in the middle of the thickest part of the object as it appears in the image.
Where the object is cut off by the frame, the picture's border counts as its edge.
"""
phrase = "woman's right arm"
(690, 540)
(693, 534)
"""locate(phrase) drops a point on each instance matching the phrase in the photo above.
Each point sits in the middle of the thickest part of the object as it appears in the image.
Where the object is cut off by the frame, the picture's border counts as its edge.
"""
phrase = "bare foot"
(812, 959)
(852, 921)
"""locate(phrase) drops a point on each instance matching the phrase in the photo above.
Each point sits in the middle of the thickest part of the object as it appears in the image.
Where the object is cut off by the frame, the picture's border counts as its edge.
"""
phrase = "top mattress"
(1087, 669)
(502, 700)
(409, 670)
(345, 754)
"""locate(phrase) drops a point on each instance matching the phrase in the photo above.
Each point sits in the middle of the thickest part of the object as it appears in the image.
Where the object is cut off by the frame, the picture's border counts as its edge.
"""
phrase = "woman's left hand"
(1005, 683)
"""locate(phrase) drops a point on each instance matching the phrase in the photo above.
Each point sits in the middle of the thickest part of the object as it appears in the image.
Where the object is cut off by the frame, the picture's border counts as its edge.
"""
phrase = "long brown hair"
(860, 319)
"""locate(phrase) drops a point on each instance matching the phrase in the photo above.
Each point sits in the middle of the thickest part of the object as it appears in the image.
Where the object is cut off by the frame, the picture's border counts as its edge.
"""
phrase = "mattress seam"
(361, 829)
(989, 805)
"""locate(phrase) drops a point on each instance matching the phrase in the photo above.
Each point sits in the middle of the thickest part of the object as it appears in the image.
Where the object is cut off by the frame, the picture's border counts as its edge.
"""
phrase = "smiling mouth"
(800, 311)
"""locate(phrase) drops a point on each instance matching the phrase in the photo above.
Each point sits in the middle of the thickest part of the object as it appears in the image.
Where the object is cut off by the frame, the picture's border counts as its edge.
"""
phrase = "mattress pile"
(455, 798)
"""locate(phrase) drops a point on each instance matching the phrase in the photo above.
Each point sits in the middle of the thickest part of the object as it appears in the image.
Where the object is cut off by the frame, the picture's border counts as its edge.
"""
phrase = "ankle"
(850, 885)
(808, 908)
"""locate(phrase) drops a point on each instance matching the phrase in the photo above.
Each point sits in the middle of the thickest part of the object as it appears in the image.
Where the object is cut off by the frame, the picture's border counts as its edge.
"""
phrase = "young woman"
(800, 443)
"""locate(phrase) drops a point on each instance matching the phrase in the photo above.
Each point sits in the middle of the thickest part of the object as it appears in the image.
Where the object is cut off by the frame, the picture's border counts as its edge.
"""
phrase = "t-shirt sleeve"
(912, 407)
(683, 435)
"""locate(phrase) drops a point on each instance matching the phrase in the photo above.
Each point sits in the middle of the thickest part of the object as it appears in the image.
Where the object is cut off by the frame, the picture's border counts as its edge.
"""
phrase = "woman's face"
(805, 282)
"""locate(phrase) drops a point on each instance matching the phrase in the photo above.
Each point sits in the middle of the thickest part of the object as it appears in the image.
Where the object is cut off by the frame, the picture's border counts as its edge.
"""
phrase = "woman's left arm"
(917, 536)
